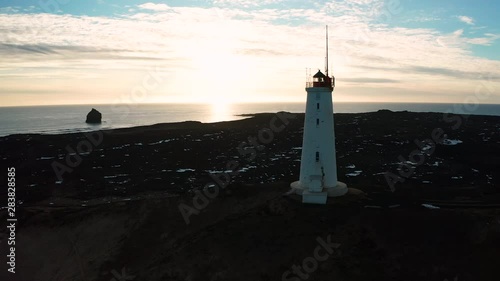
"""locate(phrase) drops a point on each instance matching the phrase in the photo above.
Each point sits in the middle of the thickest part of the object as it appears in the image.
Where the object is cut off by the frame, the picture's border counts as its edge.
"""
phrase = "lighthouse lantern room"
(318, 164)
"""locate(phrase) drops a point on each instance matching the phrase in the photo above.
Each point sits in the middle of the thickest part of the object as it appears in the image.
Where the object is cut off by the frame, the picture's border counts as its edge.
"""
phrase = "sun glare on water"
(220, 81)
(220, 112)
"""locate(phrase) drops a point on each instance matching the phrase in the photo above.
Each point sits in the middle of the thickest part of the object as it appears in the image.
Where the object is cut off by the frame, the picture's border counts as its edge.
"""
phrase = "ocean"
(71, 118)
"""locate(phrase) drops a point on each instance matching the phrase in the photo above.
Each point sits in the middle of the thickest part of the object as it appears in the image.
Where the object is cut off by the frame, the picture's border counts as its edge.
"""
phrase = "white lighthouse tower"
(318, 164)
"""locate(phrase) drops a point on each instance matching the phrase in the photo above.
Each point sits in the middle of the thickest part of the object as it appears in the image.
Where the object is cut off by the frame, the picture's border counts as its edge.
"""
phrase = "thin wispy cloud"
(245, 3)
(154, 7)
(261, 47)
(466, 19)
(363, 80)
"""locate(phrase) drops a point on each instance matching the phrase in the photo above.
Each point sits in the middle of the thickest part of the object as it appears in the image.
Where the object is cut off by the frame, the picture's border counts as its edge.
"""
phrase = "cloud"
(450, 72)
(154, 7)
(260, 52)
(245, 3)
(268, 51)
(458, 32)
(6, 49)
(59, 52)
(9, 10)
(458, 39)
(466, 19)
(423, 19)
(364, 80)
(434, 71)
(487, 40)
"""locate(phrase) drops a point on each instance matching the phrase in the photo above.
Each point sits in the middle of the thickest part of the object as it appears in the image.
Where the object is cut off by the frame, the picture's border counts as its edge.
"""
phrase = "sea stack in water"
(94, 117)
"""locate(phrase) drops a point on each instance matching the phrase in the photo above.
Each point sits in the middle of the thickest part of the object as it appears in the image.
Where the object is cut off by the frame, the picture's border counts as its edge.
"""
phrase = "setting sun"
(222, 75)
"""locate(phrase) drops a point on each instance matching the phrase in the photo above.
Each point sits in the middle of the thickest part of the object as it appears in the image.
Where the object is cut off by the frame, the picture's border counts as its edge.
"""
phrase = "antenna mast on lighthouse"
(326, 70)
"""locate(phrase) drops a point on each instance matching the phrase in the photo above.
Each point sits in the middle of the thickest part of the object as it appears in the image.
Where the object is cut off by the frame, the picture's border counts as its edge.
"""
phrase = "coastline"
(168, 150)
(66, 119)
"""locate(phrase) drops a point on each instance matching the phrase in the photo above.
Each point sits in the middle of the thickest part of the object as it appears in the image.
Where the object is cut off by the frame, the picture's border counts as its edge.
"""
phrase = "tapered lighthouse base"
(318, 197)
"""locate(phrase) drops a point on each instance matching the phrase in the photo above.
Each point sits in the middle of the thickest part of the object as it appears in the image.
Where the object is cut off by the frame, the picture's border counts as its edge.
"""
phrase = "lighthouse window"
(317, 156)
(317, 121)
(317, 106)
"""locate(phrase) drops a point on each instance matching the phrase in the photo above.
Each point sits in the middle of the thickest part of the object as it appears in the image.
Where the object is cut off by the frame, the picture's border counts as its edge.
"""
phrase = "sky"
(234, 51)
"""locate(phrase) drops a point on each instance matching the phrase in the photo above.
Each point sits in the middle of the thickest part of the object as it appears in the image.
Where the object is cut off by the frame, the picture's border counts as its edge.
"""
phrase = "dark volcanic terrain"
(115, 206)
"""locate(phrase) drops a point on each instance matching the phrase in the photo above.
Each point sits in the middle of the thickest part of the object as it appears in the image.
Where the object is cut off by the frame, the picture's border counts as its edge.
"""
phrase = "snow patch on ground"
(427, 147)
(45, 158)
(185, 170)
(115, 176)
(451, 142)
(162, 141)
(430, 206)
(121, 146)
(354, 174)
